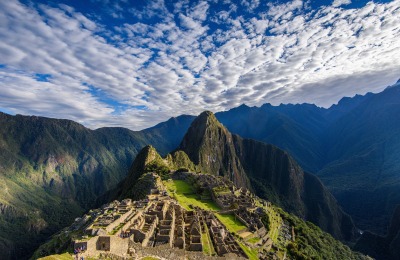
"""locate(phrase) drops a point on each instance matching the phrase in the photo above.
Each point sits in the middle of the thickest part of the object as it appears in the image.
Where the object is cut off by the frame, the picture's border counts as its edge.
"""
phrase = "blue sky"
(136, 63)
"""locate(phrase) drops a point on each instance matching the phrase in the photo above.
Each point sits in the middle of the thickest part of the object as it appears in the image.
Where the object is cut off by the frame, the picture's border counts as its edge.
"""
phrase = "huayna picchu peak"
(217, 195)
(265, 169)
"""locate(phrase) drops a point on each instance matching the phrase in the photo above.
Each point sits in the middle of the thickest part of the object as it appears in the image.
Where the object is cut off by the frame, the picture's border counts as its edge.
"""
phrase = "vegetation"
(251, 253)
(265, 221)
(253, 240)
(65, 256)
(230, 222)
(58, 244)
(275, 221)
(312, 243)
(184, 194)
(208, 248)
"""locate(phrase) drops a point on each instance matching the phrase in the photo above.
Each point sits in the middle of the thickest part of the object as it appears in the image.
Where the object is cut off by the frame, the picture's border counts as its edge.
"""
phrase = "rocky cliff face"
(210, 145)
(272, 173)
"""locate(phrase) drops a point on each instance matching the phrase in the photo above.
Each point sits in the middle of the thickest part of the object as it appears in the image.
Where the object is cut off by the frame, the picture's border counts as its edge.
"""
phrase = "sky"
(136, 63)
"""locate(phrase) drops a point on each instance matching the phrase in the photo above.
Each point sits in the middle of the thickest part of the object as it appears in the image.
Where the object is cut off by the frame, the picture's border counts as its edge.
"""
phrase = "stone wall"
(121, 219)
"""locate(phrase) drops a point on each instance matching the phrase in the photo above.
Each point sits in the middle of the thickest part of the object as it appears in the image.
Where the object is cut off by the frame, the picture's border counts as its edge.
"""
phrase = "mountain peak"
(147, 156)
(206, 116)
(195, 136)
(205, 120)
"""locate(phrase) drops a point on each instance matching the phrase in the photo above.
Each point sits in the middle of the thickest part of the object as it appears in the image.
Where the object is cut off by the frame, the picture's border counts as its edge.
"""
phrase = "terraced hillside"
(197, 216)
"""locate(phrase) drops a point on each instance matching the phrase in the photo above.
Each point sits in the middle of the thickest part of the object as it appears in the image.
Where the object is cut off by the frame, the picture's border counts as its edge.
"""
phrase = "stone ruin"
(161, 223)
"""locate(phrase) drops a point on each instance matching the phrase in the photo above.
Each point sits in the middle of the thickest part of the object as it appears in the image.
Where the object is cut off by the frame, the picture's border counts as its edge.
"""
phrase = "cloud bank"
(163, 59)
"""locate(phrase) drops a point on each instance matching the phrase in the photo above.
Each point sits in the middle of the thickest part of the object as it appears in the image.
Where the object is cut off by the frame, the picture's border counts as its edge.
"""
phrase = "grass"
(251, 253)
(65, 256)
(150, 258)
(275, 222)
(254, 240)
(208, 248)
(183, 193)
(231, 223)
(115, 230)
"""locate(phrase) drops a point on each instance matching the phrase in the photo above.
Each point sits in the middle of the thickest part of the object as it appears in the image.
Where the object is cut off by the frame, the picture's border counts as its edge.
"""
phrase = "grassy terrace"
(208, 248)
(183, 193)
(275, 223)
(231, 223)
(251, 253)
(254, 240)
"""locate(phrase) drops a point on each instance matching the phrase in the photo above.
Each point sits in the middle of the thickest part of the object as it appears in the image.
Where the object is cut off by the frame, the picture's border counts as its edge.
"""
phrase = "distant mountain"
(295, 128)
(52, 170)
(352, 147)
(267, 170)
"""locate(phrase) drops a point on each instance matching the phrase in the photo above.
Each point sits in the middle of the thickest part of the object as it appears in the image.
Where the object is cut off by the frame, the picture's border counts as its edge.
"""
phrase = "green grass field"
(252, 254)
(254, 240)
(183, 193)
(232, 224)
(275, 222)
(208, 248)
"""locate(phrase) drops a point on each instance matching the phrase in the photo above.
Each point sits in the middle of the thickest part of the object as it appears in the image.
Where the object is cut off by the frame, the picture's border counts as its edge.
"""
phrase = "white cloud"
(337, 3)
(137, 74)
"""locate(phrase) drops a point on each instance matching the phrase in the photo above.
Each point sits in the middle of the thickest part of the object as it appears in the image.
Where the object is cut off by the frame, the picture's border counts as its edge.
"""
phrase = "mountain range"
(52, 170)
(352, 147)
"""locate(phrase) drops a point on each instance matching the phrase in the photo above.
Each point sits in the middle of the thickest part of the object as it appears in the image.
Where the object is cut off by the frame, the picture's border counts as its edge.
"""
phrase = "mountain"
(294, 128)
(154, 185)
(210, 145)
(379, 247)
(166, 136)
(363, 167)
(267, 170)
(352, 147)
(52, 170)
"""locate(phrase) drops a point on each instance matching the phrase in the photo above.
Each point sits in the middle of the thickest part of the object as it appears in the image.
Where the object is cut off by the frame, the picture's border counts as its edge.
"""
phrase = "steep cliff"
(272, 173)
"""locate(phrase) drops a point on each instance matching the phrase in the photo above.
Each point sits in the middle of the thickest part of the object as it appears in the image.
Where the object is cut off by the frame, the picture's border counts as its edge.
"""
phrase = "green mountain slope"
(53, 170)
